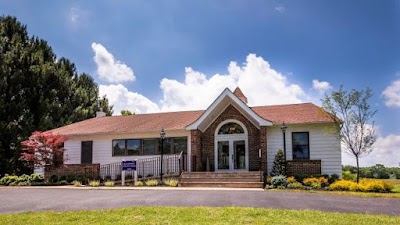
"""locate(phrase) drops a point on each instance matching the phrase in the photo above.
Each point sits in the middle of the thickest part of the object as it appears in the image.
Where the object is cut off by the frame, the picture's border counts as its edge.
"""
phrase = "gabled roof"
(304, 113)
(223, 100)
(131, 124)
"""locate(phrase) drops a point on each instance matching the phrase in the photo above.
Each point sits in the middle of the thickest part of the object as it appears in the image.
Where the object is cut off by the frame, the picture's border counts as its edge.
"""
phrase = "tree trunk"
(358, 170)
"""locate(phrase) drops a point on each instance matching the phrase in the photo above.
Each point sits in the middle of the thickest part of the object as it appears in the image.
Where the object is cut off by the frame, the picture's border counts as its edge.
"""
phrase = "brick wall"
(92, 170)
(196, 150)
(207, 139)
(303, 167)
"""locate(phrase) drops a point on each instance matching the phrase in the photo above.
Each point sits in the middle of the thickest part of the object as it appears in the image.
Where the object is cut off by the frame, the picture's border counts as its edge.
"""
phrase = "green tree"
(37, 91)
(353, 117)
(126, 112)
(278, 168)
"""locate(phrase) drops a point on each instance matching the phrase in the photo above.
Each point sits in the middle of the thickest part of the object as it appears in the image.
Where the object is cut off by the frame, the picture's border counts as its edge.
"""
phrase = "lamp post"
(283, 128)
(162, 136)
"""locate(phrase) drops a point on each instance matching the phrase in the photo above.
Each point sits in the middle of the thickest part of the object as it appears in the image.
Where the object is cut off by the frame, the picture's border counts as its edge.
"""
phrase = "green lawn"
(196, 215)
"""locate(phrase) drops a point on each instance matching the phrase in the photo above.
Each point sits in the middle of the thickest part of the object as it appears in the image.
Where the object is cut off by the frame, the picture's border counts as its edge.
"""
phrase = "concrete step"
(221, 175)
(220, 179)
(223, 184)
(252, 179)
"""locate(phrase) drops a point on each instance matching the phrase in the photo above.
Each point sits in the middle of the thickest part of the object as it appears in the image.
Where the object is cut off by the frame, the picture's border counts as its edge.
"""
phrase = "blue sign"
(129, 165)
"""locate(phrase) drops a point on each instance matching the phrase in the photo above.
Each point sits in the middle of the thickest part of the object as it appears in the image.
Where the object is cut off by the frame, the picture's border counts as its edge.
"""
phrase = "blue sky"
(176, 55)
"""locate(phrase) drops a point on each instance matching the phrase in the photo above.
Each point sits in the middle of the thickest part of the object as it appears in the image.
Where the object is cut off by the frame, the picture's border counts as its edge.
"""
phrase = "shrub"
(24, 183)
(278, 168)
(94, 183)
(129, 177)
(269, 180)
(308, 181)
(171, 182)
(316, 185)
(108, 177)
(291, 180)
(35, 177)
(333, 178)
(53, 179)
(139, 183)
(109, 184)
(374, 186)
(152, 182)
(343, 185)
(295, 185)
(323, 181)
(63, 182)
(24, 178)
(347, 175)
(8, 180)
(77, 183)
(149, 175)
(279, 181)
(269, 186)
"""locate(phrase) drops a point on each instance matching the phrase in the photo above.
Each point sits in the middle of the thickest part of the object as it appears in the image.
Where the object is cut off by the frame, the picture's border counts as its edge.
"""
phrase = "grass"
(197, 215)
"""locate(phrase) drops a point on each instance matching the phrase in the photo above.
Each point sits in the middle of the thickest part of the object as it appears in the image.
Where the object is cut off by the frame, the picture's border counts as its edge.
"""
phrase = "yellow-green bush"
(139, 183)
(324, 181)
(94, 183)
(171, 182)
(76, 183)
(291, 180)
(308, 181)
(109, 183)
(151, 182)
(364, 186)
(344, 185)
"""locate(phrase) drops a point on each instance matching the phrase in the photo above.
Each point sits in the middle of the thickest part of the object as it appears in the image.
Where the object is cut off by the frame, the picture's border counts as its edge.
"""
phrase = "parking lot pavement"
(23, 199)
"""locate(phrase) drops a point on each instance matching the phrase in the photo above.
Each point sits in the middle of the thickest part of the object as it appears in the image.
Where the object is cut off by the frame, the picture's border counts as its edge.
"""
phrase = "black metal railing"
(147, 167)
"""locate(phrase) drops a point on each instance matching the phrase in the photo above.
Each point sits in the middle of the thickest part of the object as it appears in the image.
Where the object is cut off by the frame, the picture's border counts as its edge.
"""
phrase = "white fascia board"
(227, 93)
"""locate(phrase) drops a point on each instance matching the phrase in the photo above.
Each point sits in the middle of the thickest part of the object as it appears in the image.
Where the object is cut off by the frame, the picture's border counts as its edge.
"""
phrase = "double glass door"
(231, 155)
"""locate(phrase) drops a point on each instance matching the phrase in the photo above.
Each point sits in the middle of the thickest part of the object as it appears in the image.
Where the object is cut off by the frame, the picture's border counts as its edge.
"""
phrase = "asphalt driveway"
(23, 199)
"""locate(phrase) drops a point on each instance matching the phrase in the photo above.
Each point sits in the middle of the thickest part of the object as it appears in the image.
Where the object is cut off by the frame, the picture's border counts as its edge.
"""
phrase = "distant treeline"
(378, 171)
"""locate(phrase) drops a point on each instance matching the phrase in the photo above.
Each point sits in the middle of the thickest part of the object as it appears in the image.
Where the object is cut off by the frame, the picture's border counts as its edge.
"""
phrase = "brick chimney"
(240, 95)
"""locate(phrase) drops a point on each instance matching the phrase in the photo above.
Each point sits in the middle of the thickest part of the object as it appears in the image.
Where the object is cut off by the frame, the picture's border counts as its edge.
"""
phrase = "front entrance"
(231, 153)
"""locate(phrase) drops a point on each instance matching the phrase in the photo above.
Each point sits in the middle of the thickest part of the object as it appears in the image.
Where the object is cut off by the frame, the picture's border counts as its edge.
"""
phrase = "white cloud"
(280, 8)
(108, 68)
(261, 84)
(386, 152)
(119, 96)
(392, 94)
(321, 86)
(74, 14)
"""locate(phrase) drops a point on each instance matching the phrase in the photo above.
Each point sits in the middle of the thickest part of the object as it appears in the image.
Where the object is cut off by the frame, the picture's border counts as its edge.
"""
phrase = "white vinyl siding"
(323, 146)
(102, 146)
(73, 151)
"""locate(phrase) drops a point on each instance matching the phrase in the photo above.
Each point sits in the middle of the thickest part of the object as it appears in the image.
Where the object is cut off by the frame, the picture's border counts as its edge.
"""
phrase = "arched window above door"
(231, 128)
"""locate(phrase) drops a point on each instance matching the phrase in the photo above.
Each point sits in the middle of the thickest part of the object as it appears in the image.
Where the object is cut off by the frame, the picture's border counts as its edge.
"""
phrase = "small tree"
(126, 112)
(353, 116)
(278, 167)
(43, 148)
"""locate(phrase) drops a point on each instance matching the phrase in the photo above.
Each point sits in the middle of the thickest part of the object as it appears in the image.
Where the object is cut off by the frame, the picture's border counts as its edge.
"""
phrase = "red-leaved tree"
(44, 148)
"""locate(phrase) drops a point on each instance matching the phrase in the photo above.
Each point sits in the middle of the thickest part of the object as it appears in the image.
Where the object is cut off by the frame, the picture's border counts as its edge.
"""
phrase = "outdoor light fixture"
(162, 136)
(283, 128)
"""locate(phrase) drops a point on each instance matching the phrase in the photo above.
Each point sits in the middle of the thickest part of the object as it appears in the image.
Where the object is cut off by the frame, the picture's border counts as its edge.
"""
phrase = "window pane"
(167, 146)
(150, 146)
(300, 145)
(231, 128)
(118, 147)
(134, 146)
(180, 145)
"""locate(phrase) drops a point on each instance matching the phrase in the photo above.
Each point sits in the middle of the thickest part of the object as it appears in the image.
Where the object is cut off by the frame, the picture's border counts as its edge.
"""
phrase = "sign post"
(128, 166)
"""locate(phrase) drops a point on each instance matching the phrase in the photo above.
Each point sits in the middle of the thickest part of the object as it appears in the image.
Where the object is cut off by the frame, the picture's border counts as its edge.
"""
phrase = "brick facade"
(203, 144)
(91, 170)
(303, 167)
